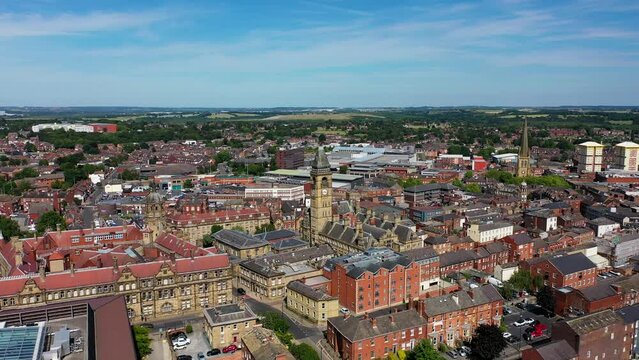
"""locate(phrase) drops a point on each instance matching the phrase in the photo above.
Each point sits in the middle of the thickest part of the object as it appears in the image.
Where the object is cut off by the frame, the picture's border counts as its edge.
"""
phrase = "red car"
(230, 348)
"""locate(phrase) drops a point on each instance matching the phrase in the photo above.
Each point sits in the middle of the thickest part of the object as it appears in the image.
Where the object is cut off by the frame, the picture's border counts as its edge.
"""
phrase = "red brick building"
(375, 337)
(575, 270)
(455, 316)
(602, 335)
(520, 247)
(605, 295)
(375, 279)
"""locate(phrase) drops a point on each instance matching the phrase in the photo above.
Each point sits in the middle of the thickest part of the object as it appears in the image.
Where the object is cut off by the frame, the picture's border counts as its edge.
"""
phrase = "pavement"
(302, 331)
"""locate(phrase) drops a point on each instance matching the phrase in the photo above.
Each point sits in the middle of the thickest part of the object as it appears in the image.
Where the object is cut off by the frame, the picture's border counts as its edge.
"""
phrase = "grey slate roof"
(573, 263)
(456, 257)
(419, 254)
(228, 314)
(276, 235)
(308, 291)
(238, 239)
(521, 239)
(360, 328)
(629, 314)
(588, 323)
(461, 300)
(288, 244)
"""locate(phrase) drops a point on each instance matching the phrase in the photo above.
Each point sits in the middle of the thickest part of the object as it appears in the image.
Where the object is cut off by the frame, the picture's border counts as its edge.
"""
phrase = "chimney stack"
(455, 298)
(471, 294)
(58, 228)
(42, 270)
(392, 319)
(72, 267)
(374, 322)
(421, 307)
(115, 264)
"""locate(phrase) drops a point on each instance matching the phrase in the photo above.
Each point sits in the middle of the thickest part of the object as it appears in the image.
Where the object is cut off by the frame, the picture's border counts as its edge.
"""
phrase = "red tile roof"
(107, 275)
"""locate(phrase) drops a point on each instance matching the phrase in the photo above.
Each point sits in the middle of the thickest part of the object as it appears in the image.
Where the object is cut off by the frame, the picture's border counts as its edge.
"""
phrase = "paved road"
(301, 332)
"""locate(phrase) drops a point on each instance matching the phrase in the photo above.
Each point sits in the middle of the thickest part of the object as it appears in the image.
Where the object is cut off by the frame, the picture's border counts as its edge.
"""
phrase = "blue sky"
(241, 53)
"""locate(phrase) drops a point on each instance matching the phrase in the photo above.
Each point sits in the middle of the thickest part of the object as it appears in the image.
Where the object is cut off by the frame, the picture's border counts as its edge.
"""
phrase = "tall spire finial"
(321, 161)
(523, 148)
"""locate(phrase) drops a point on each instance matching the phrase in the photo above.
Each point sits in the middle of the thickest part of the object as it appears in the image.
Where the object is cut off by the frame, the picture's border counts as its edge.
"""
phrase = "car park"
(230, 348)
(513, 339)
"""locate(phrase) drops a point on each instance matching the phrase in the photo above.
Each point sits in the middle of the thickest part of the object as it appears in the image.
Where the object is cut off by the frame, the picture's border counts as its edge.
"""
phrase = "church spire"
(523, 162)
(523, 148)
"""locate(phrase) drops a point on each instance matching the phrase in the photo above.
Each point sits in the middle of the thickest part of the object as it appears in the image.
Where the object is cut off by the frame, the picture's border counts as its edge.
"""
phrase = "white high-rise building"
(626, 154)
(589, 156)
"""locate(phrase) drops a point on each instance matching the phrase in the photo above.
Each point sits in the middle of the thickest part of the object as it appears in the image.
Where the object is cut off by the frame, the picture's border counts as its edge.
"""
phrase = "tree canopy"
(50, 220)
(487, 343)
(424, 350)
(9, 228)
(142, 341)
(303, 351)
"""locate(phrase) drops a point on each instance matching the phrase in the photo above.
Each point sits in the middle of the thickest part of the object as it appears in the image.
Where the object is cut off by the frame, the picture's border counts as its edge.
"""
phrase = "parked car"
(529, 321)
(462, 352)
(185, 357)
(519, 323)
(213, 352)
(466, 349)
(513, 339)
(181, 341)
(452, 353)
(241, 291)
(521, 305)
(507, 335)
(507, 310)
(179, 347)
(344, 311)
(200, 356)
(230, 348)
(147, 325)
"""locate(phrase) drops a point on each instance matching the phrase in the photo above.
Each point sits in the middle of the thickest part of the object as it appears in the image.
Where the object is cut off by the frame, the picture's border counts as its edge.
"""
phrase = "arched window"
(130, 313)
(324, 183)
(167, 308)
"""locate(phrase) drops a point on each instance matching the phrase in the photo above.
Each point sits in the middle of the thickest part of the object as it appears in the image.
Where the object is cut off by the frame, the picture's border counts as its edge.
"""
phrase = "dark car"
(200, 356)
(521, 305)
(513, 339)
(185, 357)
(241, 291)
(147, 325)
(213, 352)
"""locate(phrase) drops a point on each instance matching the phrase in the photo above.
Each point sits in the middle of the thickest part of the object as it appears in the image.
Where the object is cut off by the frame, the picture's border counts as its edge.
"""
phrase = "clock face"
(324, 192)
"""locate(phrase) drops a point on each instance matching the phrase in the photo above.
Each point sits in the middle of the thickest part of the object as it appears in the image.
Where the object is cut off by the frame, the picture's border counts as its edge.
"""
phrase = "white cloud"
(20, 25)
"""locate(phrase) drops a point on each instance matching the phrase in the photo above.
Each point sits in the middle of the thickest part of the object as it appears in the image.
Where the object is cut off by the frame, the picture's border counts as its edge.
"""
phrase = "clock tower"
(321, 210)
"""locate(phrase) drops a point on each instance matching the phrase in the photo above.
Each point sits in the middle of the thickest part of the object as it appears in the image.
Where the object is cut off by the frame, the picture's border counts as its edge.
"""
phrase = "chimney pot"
(374, 322)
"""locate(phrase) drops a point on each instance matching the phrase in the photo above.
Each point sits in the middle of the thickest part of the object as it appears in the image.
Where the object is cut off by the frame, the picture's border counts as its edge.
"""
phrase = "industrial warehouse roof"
(307, 174)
